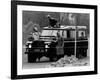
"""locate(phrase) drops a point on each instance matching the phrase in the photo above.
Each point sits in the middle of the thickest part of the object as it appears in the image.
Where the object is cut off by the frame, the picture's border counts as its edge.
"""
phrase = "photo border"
(14, 39)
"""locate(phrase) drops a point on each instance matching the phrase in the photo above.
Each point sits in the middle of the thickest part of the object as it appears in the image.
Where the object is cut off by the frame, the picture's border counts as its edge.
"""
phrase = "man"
(35, 34)
(52, 21)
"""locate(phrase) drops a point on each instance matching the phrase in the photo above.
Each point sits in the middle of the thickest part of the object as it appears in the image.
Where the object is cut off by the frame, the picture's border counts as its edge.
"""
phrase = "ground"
(44, 63)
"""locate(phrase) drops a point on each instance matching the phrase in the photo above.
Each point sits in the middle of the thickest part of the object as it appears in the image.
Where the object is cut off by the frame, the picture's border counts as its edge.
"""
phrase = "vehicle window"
(46, 33)
(61, 32)
(54, 33)
(81, 33)
(65, 34)
(72, 34)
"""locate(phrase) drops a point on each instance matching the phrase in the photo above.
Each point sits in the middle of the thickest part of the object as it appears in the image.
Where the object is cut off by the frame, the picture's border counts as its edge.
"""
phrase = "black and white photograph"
(53, 39)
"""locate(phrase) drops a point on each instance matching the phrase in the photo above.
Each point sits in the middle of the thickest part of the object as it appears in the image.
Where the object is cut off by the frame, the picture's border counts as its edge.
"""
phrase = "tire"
(31, 58)
(51, 59)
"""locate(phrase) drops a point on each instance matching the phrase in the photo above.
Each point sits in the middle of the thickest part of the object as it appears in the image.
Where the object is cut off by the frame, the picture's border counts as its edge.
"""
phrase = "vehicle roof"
(66, 27)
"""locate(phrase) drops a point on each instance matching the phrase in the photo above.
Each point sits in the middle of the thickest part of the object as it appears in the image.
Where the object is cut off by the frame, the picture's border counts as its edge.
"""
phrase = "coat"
(60, 46)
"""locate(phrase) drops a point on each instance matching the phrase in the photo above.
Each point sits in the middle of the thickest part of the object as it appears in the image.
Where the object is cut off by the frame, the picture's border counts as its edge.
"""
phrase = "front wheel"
(53, 58)
(31, 58)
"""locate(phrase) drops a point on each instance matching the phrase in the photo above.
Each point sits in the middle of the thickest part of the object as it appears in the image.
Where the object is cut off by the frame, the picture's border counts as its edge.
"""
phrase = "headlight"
(30, 46)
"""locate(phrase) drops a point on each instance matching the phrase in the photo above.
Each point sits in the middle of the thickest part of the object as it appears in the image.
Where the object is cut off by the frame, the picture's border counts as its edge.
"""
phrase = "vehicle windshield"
(49, 33)
(53, 33)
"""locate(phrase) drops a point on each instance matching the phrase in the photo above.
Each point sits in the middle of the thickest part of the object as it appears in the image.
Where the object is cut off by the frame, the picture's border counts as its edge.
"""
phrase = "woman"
(60, 45)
